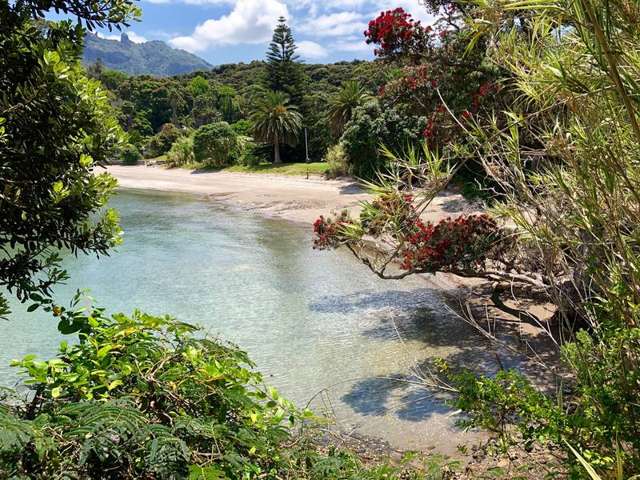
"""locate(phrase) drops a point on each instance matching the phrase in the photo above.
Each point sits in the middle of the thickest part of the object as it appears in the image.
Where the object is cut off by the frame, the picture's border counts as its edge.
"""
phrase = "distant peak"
(124, 38)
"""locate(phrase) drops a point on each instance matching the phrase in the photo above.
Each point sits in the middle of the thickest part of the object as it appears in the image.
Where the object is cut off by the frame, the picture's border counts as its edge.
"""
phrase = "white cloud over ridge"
(250, 21)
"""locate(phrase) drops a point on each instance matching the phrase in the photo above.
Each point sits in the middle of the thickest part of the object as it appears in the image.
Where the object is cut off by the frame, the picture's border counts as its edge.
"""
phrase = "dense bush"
(161, 143)
(140, 396)
(130, 155)
(337, 160)
(181, 152)
(217, 145)
(372, 126)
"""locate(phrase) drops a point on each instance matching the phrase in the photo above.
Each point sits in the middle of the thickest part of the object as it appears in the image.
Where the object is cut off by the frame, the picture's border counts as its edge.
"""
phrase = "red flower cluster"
(484, 90)
(327, 231)
(461, 243)
(394, 30)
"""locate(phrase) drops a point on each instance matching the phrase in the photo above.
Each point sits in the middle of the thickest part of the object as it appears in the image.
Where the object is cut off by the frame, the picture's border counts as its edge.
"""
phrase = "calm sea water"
(318, 324)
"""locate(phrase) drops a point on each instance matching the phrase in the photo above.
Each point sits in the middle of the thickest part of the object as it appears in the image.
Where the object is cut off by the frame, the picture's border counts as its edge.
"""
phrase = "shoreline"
(293, 198)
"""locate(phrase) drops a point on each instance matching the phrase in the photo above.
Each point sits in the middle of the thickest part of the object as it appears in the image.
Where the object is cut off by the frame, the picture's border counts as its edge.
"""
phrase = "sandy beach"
(288, 197)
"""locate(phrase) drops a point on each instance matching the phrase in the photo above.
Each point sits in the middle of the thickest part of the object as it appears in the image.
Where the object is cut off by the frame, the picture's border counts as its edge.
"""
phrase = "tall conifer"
(284, 70)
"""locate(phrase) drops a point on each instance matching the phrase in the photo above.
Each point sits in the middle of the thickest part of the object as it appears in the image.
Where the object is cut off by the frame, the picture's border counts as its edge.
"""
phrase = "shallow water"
(310, 320)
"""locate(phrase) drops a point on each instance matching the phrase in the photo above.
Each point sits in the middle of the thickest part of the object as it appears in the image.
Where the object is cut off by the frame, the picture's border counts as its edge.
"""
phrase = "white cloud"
(353, 45)
(335, 24)
(133, 36)
(312, 50)
(250, 21)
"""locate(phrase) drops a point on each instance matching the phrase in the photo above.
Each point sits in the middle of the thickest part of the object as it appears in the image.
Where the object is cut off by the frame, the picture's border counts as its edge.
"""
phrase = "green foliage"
(56, 125)
(167, 399)
(372, 126)
(161, 143)
(199, 86)
(243, 127)
(144, 103)
(181, 152)
(337, 161)
(217, 145)
(342, 105)
(130, 155)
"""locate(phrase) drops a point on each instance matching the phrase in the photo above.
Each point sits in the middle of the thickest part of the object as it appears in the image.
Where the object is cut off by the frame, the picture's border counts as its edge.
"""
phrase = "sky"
(230, 31)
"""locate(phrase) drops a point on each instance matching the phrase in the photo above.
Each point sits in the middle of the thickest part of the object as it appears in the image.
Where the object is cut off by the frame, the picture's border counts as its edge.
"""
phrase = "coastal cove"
(318, 326)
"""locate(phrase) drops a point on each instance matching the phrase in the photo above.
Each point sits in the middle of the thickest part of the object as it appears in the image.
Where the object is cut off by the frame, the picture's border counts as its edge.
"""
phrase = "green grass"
(315, 168)
(295, 169)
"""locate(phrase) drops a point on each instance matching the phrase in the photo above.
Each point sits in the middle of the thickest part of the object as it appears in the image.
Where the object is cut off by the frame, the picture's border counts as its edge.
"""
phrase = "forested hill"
(148, 58)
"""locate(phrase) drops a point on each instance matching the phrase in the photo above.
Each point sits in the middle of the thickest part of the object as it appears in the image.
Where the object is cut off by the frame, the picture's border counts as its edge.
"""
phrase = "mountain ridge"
(148, 58)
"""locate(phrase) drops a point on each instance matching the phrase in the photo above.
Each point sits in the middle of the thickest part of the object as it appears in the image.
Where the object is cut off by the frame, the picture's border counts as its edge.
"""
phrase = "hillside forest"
(347, 110)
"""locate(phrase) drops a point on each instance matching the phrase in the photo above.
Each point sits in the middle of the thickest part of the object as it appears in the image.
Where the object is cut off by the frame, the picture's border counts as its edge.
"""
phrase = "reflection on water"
(310, 320)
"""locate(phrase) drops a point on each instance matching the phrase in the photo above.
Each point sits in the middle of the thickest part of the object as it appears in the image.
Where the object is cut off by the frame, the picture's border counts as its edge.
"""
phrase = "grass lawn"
(315, 168)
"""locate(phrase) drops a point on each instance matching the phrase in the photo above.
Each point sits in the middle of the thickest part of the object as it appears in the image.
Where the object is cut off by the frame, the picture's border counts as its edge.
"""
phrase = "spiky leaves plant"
(275, 121)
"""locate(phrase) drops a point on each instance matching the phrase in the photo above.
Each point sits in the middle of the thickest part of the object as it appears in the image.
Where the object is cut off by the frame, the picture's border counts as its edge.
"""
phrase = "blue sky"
(229, 31)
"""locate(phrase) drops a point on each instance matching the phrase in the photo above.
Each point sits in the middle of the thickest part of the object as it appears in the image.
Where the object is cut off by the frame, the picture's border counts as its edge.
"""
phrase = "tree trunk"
(276, 157)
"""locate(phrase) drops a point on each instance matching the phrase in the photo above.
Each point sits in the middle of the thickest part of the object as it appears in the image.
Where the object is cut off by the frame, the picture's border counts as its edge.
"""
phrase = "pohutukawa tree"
(439, 66)
(276, 122)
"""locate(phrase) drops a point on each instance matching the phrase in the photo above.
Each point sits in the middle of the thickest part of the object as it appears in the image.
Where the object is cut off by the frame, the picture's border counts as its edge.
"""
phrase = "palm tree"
(343, 103)
(275, 121)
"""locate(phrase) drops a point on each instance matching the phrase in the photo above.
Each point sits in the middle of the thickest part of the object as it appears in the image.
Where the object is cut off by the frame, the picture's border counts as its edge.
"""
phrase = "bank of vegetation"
(534, 102)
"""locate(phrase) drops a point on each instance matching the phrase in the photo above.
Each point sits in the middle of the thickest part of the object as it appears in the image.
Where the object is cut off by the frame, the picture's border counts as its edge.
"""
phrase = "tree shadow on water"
(403, 300)
(394, 395)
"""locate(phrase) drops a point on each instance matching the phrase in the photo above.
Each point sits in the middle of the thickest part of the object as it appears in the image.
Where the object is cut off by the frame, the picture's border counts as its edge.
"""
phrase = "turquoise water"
(310, 320)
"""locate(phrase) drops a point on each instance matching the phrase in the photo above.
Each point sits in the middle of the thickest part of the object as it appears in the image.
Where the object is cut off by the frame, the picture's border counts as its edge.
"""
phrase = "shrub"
(130, 155)
(160, 143)
(243, 127)
(217, 145)
(143, 396)
(371, 126)
(181, 152)
(338, 161)
(250, 153)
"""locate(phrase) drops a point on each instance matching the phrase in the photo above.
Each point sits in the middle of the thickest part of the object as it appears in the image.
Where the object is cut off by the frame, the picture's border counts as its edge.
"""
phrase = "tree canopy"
(56, 127)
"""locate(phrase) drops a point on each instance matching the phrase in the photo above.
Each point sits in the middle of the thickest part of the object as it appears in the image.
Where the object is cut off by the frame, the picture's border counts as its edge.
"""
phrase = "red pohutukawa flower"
(327, 231)
(395, 32)
(451, 244)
